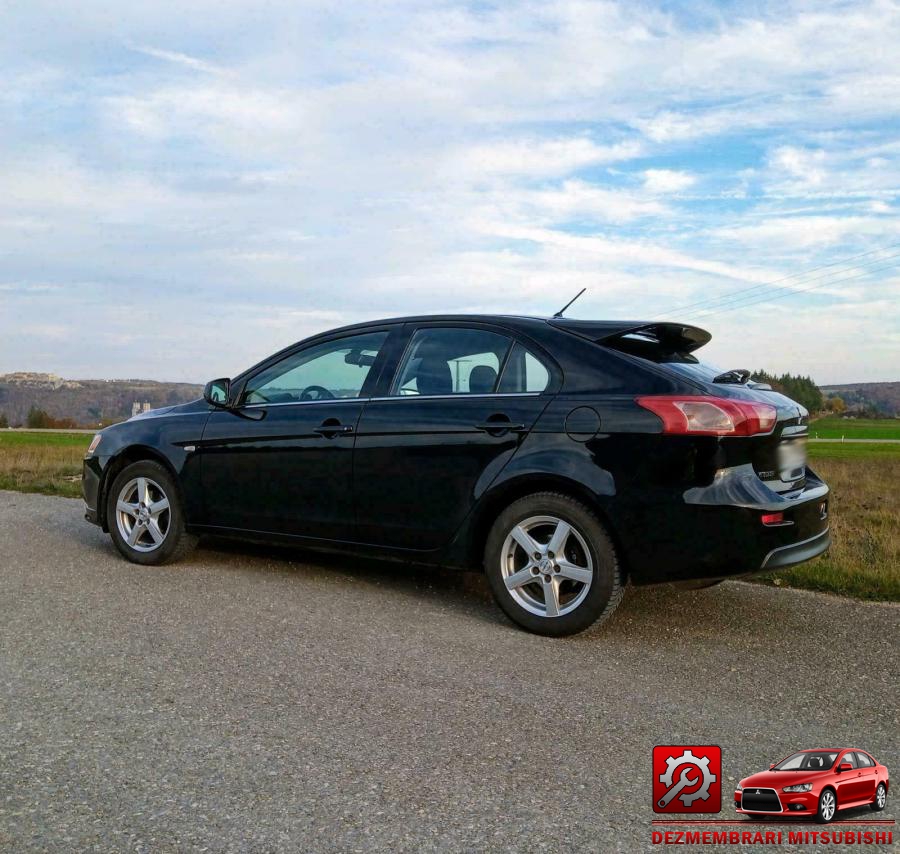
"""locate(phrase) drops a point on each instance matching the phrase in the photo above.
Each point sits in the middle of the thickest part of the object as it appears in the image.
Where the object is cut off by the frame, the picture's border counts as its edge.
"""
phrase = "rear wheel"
(827, 807)
(551, 565)
(880, 798)
(144, 515)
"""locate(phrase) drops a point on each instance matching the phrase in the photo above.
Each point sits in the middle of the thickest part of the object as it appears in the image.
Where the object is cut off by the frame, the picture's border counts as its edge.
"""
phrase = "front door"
(460, 404)
(282, 460)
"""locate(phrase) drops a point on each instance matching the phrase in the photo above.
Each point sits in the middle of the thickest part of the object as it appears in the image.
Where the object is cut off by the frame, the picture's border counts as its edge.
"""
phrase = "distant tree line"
(801, 389)
(38, 418)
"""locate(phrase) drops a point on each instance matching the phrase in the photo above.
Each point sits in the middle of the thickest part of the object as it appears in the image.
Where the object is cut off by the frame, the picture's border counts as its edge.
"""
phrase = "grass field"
(864, 560)
(855, 428)
(42, 462)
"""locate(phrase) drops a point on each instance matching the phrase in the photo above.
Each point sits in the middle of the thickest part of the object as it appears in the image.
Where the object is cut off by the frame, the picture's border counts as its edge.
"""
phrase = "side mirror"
(216, 392)
(844, 766)
(771, 766)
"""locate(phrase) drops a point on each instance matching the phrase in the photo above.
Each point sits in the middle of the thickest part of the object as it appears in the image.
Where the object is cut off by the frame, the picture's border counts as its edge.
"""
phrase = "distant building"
(137, 407)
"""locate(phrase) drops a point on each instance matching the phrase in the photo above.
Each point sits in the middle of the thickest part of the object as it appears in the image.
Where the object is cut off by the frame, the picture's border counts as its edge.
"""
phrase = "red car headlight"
(800, 787)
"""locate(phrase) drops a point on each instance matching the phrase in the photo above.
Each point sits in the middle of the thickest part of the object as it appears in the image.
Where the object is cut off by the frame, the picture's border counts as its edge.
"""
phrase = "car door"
(847, 781)
(866, 776)
(281, 460)
(461, 400)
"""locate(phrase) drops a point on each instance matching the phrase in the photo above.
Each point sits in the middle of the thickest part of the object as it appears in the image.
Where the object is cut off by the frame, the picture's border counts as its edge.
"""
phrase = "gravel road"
(253, 699)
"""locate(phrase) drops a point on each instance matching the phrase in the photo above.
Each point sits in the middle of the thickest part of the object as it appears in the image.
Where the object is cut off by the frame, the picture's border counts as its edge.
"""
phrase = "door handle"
(500, 424)
(333, 428)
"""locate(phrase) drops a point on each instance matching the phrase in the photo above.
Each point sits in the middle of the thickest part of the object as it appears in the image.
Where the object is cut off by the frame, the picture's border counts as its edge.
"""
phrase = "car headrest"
(433, 376)
(482, 379)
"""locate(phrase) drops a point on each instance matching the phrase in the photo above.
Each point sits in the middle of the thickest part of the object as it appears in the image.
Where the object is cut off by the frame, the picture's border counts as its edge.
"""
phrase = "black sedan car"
(566, 457)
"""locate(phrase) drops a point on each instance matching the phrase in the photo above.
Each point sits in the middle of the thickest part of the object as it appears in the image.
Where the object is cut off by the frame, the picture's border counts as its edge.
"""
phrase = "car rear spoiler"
(637, 337)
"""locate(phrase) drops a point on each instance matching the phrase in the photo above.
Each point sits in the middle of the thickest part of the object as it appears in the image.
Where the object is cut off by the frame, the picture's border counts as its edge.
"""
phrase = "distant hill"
(880, 398)
(87, 402)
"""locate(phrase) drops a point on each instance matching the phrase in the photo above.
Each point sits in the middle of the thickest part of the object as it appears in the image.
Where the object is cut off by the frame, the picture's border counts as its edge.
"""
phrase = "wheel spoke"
(560, 535)
(155, 532)
(125, 507)
(143, 491)
(523, 576)
(551, 597)
(135, 534)
(157, 507)
(576, 573)
(521, 536)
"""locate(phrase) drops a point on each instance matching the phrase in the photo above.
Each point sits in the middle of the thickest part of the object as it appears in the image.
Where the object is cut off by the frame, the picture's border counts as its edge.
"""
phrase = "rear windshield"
(694, 370)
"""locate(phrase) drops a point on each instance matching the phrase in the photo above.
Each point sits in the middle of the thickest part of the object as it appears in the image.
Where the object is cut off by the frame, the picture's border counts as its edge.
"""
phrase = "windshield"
(817, 760)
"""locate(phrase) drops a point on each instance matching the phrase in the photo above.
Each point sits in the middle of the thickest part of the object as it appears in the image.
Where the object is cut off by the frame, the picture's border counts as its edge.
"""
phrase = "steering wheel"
(316, 392)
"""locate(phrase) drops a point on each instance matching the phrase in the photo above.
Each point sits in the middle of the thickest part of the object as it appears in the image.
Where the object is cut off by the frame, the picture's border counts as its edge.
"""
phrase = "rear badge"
(823, 510)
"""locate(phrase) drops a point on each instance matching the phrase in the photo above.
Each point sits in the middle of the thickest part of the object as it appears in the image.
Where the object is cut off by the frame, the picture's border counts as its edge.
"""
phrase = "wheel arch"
(496, 500)
(123, 458)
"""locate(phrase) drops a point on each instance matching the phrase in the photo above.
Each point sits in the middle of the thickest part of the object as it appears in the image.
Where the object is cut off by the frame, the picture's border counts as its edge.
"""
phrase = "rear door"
(866, 776)
(460, 402)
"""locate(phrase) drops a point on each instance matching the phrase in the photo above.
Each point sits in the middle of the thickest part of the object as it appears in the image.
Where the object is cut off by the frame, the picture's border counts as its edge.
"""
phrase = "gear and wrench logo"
(687, 779)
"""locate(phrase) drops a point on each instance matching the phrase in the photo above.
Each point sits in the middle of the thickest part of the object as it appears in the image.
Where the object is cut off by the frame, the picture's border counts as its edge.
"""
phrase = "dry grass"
(864, 560)
(42, 462)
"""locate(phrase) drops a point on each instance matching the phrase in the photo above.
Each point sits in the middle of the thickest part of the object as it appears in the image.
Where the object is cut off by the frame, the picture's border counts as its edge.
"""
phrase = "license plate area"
(791, 459)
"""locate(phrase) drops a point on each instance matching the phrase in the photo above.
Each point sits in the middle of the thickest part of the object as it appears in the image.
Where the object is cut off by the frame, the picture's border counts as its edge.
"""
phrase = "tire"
(156, 532)
(880, 798)
(584, 583)
(827, 808)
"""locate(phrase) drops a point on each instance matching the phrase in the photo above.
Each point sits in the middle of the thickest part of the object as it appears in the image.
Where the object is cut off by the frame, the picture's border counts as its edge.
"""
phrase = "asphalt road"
(265, 700)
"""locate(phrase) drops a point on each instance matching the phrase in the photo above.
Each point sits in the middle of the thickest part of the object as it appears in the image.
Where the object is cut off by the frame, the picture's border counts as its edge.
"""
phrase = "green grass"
(855, 428)
(863, 562)
(837, 451)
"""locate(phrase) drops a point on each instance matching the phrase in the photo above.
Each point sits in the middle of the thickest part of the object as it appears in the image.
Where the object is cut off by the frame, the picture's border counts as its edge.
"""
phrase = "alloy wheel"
(143, 514)
(881, 796)
(546, 566)
(827, 806)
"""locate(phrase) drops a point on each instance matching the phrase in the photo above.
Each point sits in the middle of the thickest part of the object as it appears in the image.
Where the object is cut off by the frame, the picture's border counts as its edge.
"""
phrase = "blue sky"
(188, 186)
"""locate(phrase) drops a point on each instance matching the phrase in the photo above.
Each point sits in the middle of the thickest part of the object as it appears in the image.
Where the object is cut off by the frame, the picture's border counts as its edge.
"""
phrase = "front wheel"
(880, 798)
(551, 565)
(827, 807)
(144, 515)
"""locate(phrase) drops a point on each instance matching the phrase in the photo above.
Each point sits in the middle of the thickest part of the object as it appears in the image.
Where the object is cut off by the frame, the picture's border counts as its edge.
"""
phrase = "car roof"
(596, 330)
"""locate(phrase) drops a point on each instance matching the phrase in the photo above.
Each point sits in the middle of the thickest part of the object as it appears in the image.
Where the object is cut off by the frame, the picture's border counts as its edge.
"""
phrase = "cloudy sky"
(187, 186)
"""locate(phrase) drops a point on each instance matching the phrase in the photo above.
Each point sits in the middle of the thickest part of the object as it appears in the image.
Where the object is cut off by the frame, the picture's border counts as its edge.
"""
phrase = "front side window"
(849, 758)
(328, 371)
(449, 361)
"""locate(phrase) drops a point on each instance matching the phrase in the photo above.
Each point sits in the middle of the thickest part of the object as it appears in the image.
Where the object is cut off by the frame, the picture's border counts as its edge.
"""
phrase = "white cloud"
(667, 180)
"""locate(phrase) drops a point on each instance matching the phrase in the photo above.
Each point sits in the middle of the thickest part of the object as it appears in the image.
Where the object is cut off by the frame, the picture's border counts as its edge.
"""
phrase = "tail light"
(697, 415)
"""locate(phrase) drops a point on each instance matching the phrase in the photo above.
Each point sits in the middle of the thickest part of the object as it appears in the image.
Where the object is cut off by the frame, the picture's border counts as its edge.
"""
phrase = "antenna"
(560, 312)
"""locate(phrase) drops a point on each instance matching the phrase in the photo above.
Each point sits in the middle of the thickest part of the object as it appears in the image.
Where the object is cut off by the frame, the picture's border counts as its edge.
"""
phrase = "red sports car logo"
(815, 783)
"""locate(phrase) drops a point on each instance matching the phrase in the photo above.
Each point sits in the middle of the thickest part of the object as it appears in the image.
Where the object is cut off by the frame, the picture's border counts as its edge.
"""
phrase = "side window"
(335, 369)
(524, 372)
(451, 361)
(864, 761)
(849, 757)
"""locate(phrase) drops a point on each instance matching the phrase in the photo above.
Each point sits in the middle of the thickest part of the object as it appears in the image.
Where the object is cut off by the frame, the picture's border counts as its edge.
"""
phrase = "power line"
(790, 292)
(802, 274)
(828, 277)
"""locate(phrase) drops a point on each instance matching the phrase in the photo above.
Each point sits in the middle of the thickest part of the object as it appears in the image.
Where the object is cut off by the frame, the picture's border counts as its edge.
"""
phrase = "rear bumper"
(797, 552)
(718, 532)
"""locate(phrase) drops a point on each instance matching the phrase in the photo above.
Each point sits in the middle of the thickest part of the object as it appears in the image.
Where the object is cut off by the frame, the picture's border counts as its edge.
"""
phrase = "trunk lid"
(778, 458)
